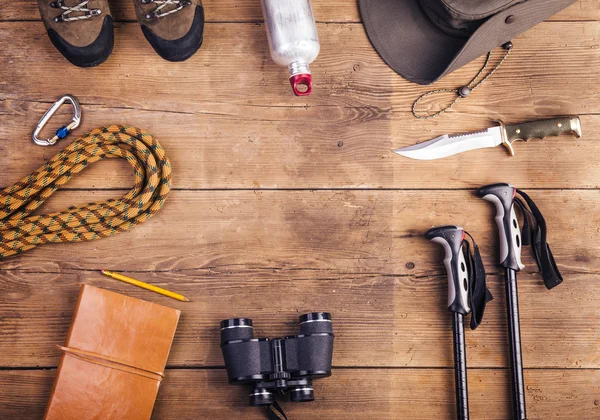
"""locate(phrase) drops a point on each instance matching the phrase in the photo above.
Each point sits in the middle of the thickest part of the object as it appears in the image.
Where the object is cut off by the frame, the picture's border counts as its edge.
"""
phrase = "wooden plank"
(346, 231)
(374, 393)
(378, 320)
(360, 254)
(539, 77)
(272, 255)
(308, 139)
(249, 10)
(317, 147)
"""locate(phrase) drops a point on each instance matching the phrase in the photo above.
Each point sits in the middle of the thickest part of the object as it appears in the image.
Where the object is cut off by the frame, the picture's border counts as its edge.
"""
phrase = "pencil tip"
(186, 299)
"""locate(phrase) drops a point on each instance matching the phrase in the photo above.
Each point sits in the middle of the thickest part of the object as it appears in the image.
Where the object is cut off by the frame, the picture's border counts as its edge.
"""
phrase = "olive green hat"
(423, 40)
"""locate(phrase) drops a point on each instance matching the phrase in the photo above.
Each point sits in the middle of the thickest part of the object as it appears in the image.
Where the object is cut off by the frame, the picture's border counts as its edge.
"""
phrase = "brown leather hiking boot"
(174, 28)
(81, 30)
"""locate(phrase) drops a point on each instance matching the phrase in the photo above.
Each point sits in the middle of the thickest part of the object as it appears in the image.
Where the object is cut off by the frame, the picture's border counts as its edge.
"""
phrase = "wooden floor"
(285, 205)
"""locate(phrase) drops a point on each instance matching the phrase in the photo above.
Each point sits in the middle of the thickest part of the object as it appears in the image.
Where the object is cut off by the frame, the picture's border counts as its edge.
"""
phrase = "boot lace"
(82, 11)
(162, 7)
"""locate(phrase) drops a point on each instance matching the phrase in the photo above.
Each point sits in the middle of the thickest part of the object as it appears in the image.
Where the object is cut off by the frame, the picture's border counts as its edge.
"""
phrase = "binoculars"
(284, 366)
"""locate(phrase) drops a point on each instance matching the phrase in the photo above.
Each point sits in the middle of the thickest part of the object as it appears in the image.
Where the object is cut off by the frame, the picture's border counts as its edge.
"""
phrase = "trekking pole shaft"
(460, 367)
(514, 338)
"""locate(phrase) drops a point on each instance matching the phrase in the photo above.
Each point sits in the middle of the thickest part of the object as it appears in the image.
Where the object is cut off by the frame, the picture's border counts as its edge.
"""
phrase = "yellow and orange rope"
(19, 231)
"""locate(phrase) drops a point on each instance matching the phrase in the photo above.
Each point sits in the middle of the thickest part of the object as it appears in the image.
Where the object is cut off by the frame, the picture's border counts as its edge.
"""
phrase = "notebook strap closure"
(110, 362)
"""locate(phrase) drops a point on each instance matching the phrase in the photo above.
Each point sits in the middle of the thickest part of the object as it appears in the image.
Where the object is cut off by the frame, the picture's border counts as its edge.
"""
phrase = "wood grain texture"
(358, 254)
(346, 231)
(249, 10)
(379, 320)
(280, 147)
(340, 137)
(538, 78)
(286, 205)
(421, 394)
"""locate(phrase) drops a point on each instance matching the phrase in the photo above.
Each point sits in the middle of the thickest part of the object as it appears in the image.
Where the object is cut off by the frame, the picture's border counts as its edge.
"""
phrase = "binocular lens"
(261, 396)
(302, 393)
(315, 322)
(313, 347)
(247, 359)
(236, 329)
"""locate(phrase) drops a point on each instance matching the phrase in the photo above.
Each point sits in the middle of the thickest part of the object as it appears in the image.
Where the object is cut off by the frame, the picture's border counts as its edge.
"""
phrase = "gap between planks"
(499, 273)
(323, 189)
(262, 22)
(341, 367)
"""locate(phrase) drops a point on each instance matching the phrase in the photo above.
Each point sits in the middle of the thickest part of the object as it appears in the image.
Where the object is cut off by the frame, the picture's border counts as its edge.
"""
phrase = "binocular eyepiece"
(278, 366)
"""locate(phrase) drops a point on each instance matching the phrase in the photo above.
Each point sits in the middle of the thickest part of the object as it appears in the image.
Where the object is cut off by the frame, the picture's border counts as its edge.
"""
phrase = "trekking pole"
(502, 195)
(467, 293)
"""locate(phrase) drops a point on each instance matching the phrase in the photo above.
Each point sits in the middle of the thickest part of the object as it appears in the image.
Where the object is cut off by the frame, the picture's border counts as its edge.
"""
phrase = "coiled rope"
(19, 231)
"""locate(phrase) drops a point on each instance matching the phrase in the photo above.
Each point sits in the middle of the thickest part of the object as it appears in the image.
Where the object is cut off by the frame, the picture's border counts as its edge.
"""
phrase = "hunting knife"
(448, 145)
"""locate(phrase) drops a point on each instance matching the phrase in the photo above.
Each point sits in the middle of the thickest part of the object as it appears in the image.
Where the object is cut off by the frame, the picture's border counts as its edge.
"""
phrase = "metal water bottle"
(293, 39)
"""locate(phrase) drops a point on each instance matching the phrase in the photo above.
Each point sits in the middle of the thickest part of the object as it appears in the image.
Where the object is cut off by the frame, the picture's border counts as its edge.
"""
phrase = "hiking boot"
(81, 30)
(174, 28)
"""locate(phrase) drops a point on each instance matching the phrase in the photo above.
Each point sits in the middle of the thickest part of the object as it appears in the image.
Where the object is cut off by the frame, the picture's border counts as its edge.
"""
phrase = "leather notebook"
(114, 358)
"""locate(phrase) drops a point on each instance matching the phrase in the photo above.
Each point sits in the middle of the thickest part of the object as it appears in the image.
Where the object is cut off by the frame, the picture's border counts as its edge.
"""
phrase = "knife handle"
(540, 129)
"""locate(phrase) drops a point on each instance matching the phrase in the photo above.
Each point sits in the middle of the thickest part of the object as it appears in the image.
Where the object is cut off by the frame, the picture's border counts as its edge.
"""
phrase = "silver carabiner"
(62, 132)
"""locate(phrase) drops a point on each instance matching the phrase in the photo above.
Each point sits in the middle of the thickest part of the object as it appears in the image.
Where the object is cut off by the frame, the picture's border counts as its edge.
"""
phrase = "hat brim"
(414, 48)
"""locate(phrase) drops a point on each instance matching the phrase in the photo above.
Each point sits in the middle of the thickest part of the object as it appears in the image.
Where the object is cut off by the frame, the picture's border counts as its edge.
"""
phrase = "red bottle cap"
(301, 84)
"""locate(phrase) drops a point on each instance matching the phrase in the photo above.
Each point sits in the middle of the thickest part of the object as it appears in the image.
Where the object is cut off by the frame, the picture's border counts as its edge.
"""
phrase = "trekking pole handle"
(502, 196)
(451, 238)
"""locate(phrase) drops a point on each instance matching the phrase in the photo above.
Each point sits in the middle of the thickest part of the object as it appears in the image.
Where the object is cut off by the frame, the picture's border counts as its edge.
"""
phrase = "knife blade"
(448, 145)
